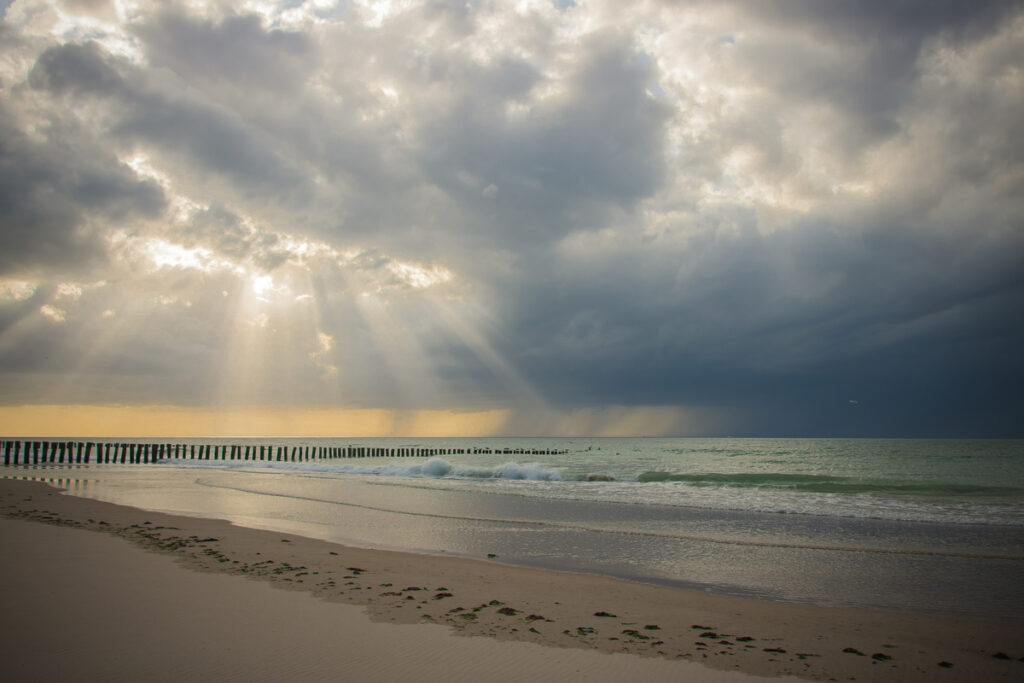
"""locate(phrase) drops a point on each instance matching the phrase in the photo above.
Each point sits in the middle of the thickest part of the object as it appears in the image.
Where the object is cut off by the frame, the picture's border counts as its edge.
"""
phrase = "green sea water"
(935, 527)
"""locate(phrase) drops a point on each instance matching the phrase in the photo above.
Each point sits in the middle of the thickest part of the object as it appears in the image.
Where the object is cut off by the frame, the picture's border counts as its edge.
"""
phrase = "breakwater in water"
(31, 452)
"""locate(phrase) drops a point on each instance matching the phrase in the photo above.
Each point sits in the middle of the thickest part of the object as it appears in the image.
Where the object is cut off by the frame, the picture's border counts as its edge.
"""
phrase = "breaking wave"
(434, 468)
(812, 483)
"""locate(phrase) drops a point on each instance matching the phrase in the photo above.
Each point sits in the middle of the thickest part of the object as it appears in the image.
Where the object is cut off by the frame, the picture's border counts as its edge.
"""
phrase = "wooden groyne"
(29, 452)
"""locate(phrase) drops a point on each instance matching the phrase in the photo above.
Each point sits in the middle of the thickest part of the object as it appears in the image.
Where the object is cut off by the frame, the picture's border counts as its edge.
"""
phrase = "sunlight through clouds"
(163, 254)
(55, 314)
(16, 290)
(650, 217)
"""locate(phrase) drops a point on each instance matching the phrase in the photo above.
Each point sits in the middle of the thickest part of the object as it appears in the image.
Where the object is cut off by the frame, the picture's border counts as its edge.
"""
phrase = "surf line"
(626, 532)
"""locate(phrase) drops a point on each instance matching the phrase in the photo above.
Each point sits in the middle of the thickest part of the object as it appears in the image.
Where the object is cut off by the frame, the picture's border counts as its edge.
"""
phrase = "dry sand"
(89, 606)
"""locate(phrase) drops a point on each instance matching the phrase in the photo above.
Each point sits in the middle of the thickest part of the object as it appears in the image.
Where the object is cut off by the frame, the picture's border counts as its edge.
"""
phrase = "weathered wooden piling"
(25, 452)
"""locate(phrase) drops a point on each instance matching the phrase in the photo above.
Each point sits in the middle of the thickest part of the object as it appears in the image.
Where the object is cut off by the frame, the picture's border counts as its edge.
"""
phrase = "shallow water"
(834, 554)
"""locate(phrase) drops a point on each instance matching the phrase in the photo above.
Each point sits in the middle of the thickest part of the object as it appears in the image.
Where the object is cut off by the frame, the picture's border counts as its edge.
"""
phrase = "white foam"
(434, 468)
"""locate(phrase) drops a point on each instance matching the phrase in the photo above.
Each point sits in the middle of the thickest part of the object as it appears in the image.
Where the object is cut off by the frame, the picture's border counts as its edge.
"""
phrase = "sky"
(426, 218)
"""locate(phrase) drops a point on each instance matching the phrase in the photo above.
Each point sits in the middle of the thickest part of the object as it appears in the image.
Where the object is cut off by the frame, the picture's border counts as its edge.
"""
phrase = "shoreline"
(557, 609)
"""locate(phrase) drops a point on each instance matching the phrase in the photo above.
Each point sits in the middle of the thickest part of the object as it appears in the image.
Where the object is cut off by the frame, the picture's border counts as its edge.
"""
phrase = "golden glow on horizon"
(87, 421)
(177, 421)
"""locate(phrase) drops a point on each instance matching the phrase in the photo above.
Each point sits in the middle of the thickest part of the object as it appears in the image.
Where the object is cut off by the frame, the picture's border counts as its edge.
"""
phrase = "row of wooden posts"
(85, 452)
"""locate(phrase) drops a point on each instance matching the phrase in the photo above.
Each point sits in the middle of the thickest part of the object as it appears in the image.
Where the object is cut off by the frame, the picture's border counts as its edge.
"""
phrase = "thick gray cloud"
(58, 195)
(801, 217)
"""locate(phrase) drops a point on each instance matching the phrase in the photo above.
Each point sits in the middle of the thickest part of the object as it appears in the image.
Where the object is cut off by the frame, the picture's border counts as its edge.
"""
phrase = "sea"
(925, 526)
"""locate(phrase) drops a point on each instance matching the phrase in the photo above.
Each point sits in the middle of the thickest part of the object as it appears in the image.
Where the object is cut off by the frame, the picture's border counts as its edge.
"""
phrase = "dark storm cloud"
(57, 195)
(913, 19)
(152, 110)
(594, 146)
(791, 326)
(769, 209)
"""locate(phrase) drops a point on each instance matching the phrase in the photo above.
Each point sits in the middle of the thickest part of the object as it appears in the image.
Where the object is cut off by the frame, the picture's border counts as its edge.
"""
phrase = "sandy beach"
(96, 591)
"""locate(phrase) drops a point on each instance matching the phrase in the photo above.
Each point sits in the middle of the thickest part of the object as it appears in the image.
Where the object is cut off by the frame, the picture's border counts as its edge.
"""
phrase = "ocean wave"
(673, 534)
(813, 483)
(434, 468)
(441, 468)
(804, 494)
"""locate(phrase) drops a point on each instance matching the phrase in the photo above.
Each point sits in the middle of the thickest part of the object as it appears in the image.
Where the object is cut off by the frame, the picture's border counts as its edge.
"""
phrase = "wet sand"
(81, 605)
